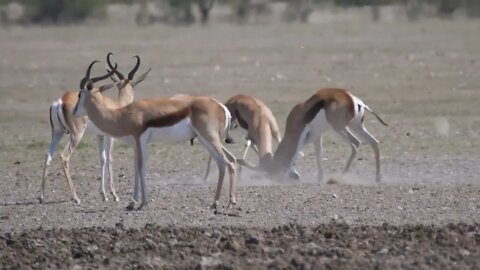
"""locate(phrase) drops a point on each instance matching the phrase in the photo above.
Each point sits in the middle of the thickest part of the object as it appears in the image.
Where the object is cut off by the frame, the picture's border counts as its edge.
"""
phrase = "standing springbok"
(163, 119)
(309, 120)
(257, 120)
(63, 121)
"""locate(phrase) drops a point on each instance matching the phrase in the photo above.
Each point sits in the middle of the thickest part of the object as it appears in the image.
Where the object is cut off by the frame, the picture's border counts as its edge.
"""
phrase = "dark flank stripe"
(168, 119)
(241, 122)
(313, 111)
(51, 123)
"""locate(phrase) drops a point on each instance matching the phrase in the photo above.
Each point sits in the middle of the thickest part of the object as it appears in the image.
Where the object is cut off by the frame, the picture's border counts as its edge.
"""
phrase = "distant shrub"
(62, 11)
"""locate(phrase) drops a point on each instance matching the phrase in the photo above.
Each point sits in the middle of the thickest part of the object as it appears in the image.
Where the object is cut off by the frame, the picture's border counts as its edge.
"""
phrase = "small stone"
(464, 252)
(383, 251)
(253, 240)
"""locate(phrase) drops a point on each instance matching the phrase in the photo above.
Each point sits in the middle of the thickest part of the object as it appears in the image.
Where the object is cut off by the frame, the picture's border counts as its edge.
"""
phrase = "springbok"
(308, 121)
(260, 125)
(63, 121)
(168, 120)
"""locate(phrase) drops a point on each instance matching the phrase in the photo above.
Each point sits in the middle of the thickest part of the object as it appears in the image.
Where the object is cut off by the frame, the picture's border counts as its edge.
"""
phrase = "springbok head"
(120, 81)
(87, 88)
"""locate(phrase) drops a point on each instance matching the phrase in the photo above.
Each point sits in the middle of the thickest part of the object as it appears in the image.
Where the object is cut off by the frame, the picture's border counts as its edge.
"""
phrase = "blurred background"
(187, 12)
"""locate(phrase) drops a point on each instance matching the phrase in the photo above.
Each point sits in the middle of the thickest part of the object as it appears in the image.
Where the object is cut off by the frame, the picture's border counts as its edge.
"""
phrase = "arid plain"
(422, 78)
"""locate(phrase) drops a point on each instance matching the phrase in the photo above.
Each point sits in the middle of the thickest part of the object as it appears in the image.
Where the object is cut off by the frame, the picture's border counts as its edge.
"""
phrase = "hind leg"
(207, 171)
(215, 148)
(232, 171)
(318, 158)
(67, 152)
(360, 130)
(353, 141)
(56, 137)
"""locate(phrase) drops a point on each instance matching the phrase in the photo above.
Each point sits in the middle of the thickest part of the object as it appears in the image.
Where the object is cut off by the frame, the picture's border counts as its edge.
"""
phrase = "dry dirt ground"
(422, 78)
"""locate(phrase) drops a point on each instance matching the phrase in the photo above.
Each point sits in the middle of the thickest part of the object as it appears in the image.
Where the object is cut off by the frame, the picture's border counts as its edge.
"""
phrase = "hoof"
(231, 203)
(141, 206)
(214, 206)
(294, 175)
(40, 200)
(115, 197)
(76, 200)
(105, 198)
(131, 206)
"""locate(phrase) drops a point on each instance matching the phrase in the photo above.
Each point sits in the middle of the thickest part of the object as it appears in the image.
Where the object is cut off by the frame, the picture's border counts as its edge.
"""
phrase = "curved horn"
(119, 75)
(87, 74)
(103, 77)
(135, 68)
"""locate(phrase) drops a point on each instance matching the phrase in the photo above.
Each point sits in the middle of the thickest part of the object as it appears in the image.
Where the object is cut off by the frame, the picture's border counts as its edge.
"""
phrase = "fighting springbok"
(167, 120)
(63, 121)
(257, 120)
(308, 121)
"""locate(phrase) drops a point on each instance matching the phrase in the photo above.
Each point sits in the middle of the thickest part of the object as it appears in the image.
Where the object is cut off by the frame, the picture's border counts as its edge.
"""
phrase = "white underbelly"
(181, 131)
(318, 126)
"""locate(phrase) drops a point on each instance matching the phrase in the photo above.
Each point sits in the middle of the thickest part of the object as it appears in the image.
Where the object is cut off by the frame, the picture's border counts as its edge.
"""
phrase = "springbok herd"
(186, 117)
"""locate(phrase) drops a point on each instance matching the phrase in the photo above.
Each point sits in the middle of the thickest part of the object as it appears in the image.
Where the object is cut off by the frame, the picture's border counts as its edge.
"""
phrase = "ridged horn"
(103, 77)
(87, 74)
(119, 75)
(135, 68)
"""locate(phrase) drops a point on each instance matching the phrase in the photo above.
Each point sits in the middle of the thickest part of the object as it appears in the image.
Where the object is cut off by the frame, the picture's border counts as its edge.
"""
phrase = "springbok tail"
(376, 115)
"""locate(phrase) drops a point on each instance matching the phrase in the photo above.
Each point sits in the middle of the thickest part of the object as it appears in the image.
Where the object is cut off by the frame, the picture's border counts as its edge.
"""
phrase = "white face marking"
(80, 107)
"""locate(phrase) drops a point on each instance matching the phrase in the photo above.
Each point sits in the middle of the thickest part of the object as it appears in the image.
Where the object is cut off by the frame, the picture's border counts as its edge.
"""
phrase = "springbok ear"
(105, 87)
(141, 77)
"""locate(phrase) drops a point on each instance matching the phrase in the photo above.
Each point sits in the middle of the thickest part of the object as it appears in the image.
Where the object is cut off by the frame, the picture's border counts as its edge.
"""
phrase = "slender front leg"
(109, 148)
(56, 137)
(248, 143)
(136, 182)
(103, 161)
(142, 166)
(318, 157)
